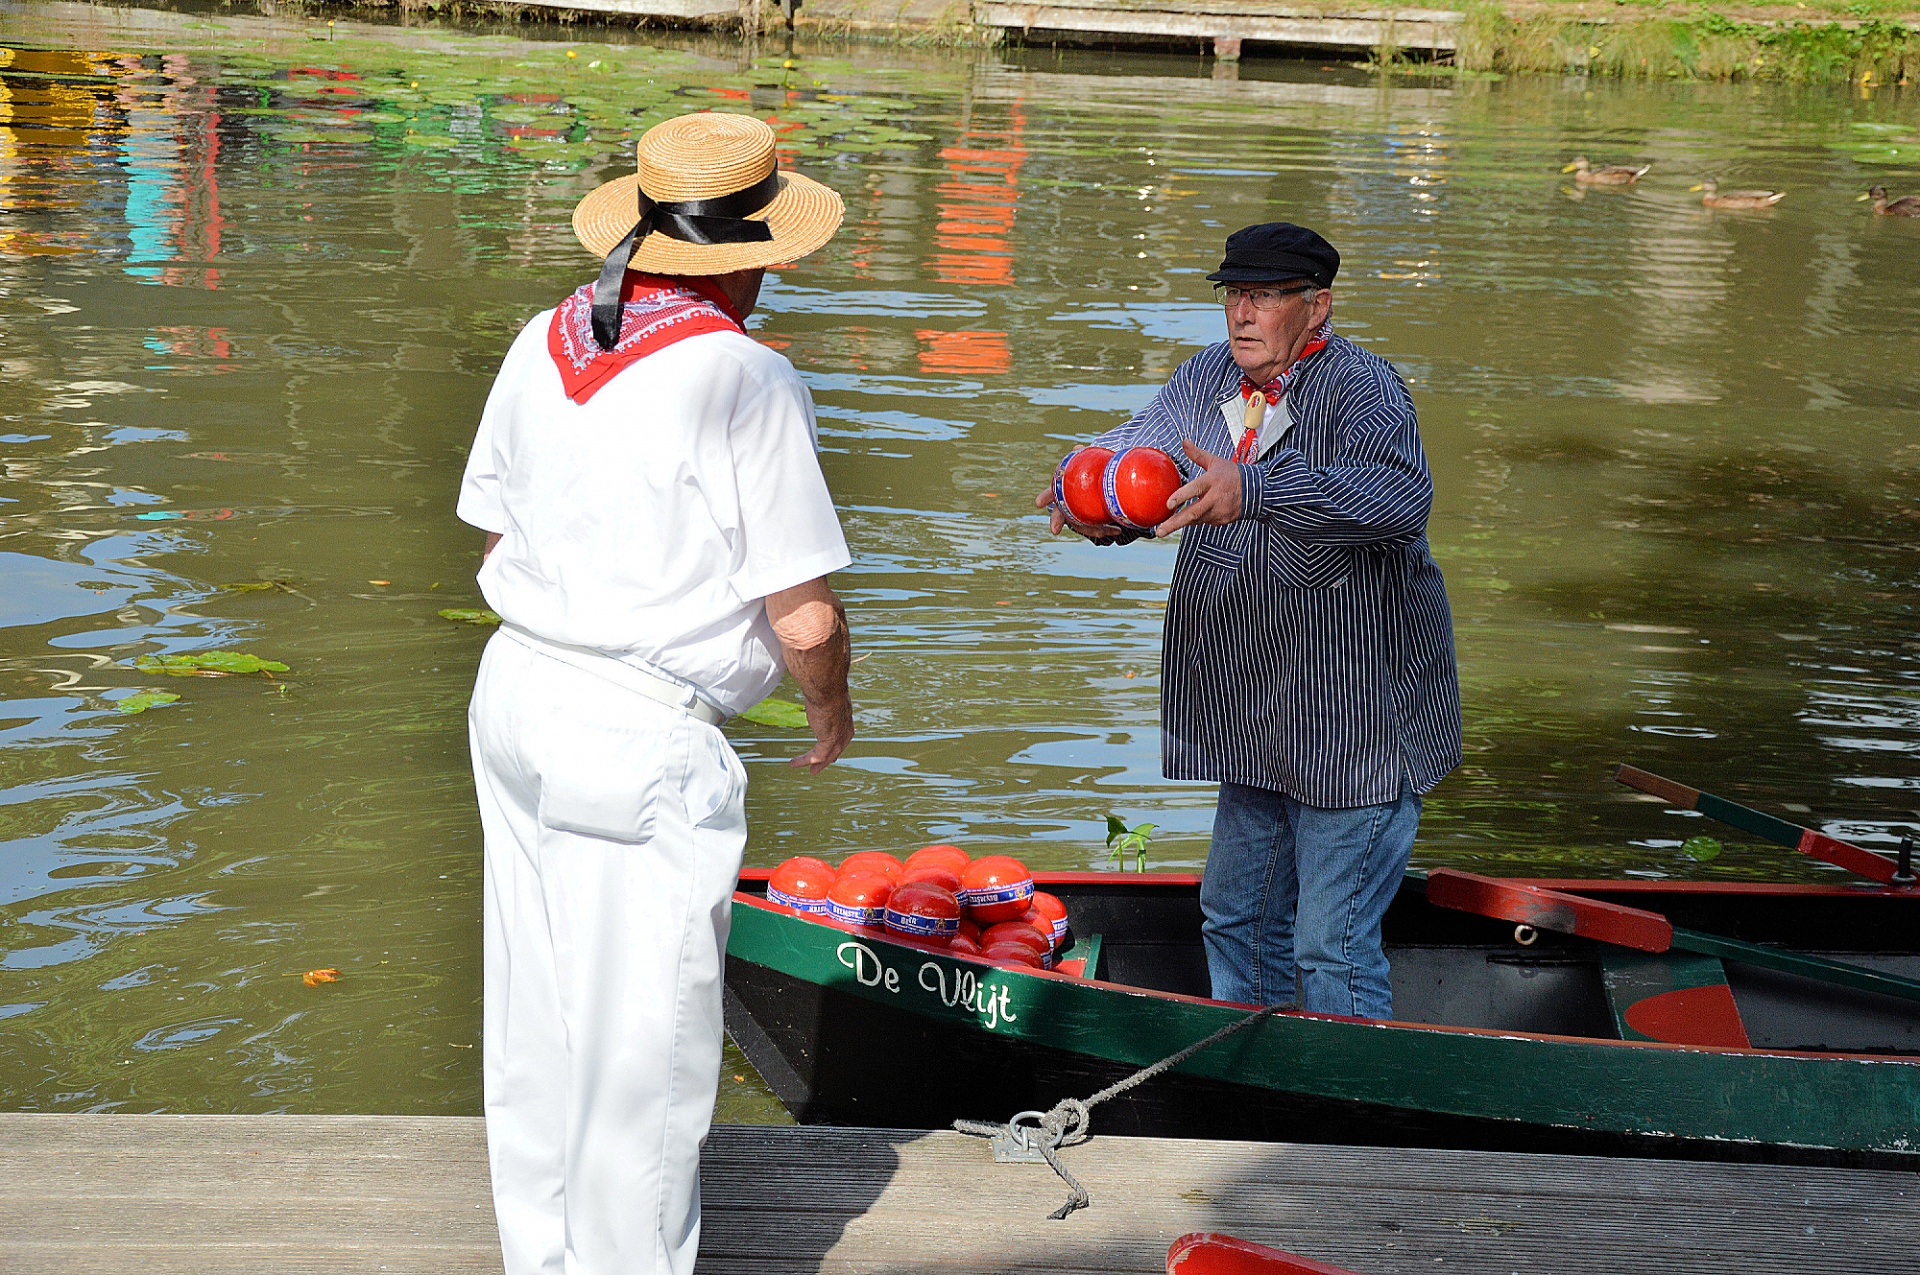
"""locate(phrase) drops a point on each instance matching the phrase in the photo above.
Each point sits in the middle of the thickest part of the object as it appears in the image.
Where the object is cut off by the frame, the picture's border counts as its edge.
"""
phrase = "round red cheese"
(1077, 489)
(1013, 954)
(873, 861)
(996, 888)
(1137, 484)
(801, 883)
(859, 898)
(1016, 932)
(1049, 908)
(923, 911)
(932, 874)
(952, 858)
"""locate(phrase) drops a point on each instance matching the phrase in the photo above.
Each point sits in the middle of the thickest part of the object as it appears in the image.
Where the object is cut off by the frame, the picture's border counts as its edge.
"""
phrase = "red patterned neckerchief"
(1276, 389)
(655, 311)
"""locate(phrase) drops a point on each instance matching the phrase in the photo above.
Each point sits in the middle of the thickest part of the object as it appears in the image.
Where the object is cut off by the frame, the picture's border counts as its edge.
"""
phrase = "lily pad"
(783, 713)
(1895, 151)
(141, 701)
(468, 615)
(1701, 849)
(208, 664)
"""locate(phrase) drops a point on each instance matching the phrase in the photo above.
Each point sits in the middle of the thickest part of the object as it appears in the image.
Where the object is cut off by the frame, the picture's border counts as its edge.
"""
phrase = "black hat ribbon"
(722, 219)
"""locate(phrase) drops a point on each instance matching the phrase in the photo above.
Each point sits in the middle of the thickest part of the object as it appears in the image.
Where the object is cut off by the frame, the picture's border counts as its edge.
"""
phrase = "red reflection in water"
(195, 343)
(977, 203)
(200, 219)
(965, 353)
(781, 128)
(168, 149)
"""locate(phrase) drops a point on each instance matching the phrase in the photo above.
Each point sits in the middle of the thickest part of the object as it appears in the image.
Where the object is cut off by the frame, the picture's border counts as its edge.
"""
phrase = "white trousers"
(614, 827)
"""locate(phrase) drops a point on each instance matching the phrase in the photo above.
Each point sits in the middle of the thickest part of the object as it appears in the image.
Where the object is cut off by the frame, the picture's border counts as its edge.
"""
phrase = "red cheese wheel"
(1077, 486)
(932, 874)
(970, 928)
(996, 888)
(1054, 912)
(859, 898)
(1013, 954)
(801, 883)
(873, 861)
(923, 911)
(962, 944)
(952, 858)
(1016, 932)
(1137, 485)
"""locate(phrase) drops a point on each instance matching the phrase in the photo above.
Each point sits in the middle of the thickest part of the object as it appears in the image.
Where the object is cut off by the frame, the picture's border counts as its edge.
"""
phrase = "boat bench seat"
(1674, 997)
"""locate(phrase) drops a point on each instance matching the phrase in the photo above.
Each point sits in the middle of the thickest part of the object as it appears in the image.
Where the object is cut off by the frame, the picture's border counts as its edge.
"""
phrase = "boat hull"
(851, 1027)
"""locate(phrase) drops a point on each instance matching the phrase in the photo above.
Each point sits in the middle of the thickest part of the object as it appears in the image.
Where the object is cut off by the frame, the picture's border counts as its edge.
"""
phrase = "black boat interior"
(1453, 969)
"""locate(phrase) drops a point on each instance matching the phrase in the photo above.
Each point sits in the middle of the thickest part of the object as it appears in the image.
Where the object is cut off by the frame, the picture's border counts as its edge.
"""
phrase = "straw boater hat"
(708, 199)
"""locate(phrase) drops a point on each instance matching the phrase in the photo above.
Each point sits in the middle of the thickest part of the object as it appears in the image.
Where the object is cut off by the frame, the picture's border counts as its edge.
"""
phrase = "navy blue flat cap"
(1277, 251)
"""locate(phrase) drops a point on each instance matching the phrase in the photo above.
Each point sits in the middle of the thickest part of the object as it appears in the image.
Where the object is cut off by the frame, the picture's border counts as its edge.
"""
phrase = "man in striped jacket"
(1308, 664)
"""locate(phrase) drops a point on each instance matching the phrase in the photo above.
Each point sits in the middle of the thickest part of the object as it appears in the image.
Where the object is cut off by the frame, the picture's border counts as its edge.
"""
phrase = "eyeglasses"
(1263, 298)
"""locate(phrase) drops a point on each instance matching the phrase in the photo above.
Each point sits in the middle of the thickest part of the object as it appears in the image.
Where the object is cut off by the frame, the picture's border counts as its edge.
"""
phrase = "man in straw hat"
(659, 537)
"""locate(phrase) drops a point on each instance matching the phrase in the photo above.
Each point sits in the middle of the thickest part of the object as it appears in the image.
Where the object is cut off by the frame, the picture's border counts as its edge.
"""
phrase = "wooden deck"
(1227, 23)
(297, 1194)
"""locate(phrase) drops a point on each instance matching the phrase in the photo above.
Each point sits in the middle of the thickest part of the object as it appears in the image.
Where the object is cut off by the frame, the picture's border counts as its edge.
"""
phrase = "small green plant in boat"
(1701, 849)
(1122, 841)
(468, 615)
(141, 701)
(783, 713)
(209, 664)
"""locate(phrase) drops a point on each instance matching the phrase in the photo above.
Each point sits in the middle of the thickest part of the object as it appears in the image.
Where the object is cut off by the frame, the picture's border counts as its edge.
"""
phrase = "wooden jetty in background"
(1220, 26)
(1225, 24)
(289, 1195)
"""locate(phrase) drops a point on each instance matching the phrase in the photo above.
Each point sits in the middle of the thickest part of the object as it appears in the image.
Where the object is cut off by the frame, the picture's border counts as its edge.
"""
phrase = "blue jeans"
(1290, 883)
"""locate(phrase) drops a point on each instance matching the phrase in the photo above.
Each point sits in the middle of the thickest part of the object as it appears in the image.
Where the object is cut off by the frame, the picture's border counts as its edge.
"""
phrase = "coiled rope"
(1071, 1120)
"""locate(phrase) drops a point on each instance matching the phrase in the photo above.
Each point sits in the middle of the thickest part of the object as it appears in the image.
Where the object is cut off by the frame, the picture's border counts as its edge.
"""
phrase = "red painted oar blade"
(1765, 826)
(1679, 795)
(1863, 862)
(1549, 910)
(1207, 1253)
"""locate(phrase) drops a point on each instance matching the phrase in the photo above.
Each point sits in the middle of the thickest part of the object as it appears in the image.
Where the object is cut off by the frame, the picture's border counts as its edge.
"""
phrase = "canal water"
(255, 276)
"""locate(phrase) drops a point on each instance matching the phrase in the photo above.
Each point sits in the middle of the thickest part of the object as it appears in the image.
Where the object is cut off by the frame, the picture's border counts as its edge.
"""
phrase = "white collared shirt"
(1273, 427)
(650, 522)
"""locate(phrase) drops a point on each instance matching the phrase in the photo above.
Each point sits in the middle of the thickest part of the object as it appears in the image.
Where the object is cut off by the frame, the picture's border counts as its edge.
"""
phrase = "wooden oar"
(1827, 849)
(1210, 1253)
(1638, 929)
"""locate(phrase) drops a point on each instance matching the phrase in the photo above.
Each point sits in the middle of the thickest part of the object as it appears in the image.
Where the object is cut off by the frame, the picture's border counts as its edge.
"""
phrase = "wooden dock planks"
(1296, 25)
(300, 1194)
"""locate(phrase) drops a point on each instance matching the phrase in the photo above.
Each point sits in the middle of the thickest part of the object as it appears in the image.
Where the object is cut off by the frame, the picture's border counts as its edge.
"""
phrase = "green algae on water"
(781, 713)
(141, 701)
(208, 664)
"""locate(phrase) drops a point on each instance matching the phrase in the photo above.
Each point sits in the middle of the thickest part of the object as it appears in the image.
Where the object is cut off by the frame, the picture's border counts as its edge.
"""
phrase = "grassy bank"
(1872, 42)
(1708, 46)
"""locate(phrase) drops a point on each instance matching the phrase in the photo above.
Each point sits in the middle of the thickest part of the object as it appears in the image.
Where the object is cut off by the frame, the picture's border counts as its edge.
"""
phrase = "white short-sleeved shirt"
(651, 521)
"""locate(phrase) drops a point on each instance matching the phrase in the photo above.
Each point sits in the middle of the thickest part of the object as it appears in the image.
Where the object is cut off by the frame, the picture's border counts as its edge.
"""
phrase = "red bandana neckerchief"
(654, 313)
(1276, 389)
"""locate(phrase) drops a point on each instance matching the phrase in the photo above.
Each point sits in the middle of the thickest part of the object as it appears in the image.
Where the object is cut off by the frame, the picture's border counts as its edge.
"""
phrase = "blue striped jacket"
(1308, 645)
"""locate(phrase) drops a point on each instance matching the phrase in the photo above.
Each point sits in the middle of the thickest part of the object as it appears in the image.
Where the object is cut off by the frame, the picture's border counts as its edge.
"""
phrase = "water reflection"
(253, 288)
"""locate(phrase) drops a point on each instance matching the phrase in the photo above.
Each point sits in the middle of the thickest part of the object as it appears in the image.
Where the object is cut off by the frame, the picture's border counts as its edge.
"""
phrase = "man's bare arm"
(812, 627)
(493, 540)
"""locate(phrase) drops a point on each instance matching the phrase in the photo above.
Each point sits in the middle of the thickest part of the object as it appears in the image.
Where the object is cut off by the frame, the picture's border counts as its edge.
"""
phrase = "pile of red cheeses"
(941, 894)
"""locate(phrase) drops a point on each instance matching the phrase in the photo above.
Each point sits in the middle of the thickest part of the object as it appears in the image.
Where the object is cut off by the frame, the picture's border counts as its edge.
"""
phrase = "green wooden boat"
(1554, 1043)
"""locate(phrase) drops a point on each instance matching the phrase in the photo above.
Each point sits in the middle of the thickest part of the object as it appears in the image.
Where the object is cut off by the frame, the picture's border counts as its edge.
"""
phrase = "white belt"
(620, 673)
